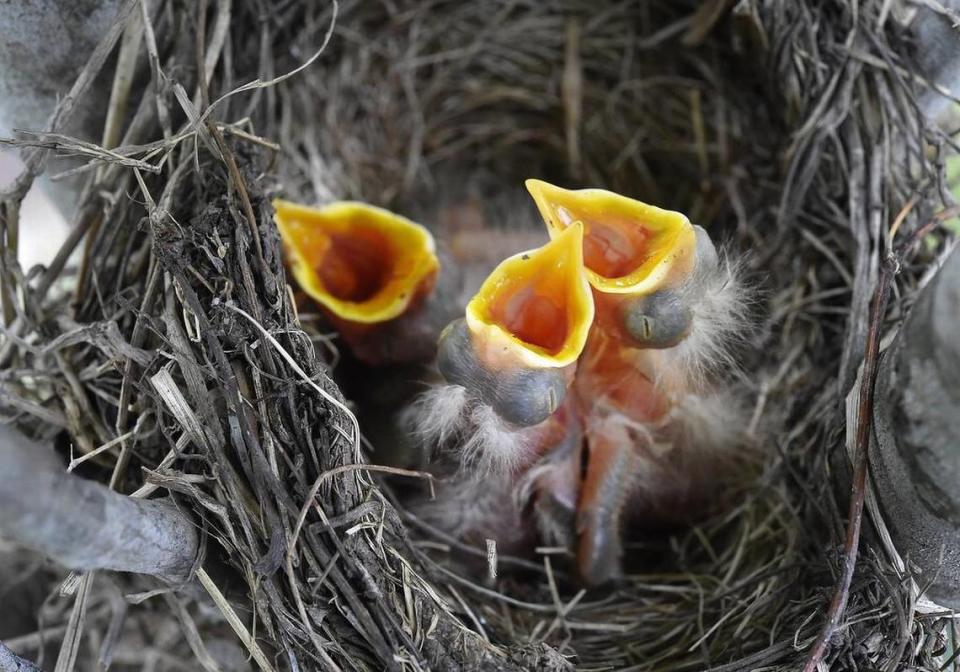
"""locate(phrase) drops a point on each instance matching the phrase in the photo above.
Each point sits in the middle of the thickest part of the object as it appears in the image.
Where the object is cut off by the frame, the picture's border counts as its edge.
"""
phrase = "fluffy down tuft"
(721, 321)
(483, 444)
(435, 417)
(473, 510)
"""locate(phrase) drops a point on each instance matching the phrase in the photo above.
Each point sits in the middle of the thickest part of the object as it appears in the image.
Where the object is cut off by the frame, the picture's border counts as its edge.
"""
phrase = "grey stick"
(84, 525)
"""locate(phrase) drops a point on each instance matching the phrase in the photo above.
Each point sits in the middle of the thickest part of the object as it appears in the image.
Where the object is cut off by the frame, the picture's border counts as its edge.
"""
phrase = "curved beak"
(516, 348)
(363, 264)
(535, 309)
(629, 247)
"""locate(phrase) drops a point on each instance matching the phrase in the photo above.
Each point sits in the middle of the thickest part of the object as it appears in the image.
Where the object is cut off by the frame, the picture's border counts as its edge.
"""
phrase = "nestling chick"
(374, 275)
(657, 428)
(510, 361)
(508, 365)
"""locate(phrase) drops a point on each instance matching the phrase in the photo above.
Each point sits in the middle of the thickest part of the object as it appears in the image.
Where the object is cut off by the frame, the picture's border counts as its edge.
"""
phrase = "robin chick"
(509, 362)
(507, 367)
(657, 427)
(372, 272)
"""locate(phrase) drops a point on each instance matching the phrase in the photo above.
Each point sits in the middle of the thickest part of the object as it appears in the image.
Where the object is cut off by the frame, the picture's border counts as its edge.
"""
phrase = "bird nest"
(788, 130)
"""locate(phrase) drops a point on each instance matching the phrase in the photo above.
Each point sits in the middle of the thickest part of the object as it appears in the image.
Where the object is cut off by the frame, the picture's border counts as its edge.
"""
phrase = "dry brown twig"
(865, 406)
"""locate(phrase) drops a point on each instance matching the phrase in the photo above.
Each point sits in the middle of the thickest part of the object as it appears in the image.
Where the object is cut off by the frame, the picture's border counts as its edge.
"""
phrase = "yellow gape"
(363, 264)
(629, 247)
(535, 308)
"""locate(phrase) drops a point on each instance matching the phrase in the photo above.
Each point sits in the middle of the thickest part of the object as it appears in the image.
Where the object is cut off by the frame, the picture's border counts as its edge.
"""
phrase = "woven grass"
(789, 131)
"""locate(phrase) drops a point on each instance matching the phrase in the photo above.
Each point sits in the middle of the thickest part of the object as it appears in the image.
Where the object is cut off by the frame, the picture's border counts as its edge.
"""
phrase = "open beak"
(629, 247)
(523, 331)
(370, 270)
(363, 264)
(535, 308)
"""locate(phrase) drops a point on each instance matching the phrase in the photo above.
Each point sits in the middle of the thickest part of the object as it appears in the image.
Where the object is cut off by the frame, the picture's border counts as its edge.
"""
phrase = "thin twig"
(231, 616)
(865, 408)
(343, 468)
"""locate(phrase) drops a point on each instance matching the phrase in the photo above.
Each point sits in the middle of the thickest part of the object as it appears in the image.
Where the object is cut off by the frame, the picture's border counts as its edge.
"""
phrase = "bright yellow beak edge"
(536, 307)
(629, 247)
(362, 263)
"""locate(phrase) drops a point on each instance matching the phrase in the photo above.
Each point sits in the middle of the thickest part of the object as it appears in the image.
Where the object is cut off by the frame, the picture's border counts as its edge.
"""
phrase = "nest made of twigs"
(785, 129)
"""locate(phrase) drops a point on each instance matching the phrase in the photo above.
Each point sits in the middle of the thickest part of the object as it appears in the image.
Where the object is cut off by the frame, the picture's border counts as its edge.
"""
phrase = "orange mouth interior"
(363, 263)
(355, 267)
(535, 310)
(617, 246)
(629, 246)
(536, 305)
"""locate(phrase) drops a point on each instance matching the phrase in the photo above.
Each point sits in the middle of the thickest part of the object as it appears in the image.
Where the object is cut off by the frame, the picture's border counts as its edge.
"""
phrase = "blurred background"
(43, 227)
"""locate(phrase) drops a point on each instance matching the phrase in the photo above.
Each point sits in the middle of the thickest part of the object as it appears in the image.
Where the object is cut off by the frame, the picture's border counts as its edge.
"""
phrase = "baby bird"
(374, 275)
(509, 362)
(657, 428)
(508, 366)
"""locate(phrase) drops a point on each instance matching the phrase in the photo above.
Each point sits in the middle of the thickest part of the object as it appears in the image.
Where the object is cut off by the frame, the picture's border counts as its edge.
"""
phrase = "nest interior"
(787, 130)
